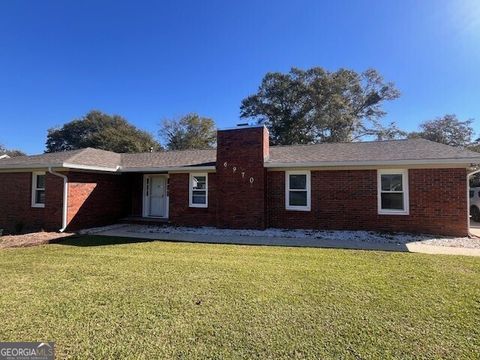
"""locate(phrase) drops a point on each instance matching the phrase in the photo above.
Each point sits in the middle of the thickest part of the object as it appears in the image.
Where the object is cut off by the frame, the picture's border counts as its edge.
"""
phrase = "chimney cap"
(242, 126)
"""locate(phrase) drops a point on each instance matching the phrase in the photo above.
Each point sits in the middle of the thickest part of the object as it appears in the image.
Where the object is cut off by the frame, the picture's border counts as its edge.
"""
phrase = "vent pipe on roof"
(65, 198)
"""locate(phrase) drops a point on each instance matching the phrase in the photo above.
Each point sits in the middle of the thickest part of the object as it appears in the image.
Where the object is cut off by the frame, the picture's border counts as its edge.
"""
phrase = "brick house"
(404, 185)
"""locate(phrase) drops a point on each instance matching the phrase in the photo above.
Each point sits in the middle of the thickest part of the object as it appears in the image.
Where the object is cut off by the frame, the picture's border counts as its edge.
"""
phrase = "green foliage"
(475, 146)
(11, 152)
(315, 105)
(448, 130)
(101, 131)
(113, 298)
(189, 132)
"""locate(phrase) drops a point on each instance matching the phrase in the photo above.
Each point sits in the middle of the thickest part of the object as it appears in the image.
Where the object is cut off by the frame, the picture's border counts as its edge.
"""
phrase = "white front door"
(157, 196)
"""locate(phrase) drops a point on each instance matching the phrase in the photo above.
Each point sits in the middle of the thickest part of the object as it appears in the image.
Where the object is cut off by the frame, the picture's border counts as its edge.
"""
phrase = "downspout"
(65, 198)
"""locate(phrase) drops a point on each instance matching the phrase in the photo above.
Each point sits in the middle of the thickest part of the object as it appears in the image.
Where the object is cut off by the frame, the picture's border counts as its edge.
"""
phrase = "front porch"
(148, 195)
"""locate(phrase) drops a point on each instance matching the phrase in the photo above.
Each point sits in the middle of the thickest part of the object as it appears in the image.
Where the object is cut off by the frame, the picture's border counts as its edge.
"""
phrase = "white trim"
(170, 169)
(90, 167)
(29, 166)
(464, 162)
(146, 199)
(62, 165)
(34, 188)
(190, 190)
(406, 195)
(308, 164)
(308, 189)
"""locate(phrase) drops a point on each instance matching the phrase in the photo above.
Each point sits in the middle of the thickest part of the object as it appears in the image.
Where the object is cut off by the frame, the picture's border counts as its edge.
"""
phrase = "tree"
(315, 105)
(11, 152)
(475, 146)
(191, 131)
(447, 130)
(101, 131)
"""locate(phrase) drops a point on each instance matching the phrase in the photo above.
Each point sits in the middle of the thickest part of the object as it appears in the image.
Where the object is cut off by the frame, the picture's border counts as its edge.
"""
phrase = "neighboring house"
(405, 185)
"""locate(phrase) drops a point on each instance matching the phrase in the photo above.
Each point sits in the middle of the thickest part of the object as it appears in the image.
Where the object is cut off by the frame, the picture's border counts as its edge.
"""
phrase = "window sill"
(41, 206)
(291, 208)
(393, 212)
(198, 206)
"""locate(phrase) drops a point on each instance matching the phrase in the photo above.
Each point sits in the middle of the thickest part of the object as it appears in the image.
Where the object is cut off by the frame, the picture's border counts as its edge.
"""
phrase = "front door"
(158, 196)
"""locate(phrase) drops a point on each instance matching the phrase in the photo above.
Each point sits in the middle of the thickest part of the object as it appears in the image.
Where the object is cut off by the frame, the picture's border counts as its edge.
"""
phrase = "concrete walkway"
(418, 247)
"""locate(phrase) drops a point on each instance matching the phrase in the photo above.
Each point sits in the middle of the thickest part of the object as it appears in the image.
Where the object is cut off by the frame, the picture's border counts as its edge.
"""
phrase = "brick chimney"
(241, 177)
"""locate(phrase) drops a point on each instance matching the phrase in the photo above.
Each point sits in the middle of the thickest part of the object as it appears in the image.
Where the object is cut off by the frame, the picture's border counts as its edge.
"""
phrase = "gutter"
(64, 199)
(310, 164)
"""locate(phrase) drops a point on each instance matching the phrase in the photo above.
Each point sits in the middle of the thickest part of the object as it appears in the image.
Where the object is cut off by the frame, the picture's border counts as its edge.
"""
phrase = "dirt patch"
(31, 239)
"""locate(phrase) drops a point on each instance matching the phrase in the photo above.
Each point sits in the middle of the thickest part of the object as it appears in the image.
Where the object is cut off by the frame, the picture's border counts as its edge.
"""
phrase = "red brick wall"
(96, 199)
(16, 203)
(348, 200)
(242, 177)
(179, 211)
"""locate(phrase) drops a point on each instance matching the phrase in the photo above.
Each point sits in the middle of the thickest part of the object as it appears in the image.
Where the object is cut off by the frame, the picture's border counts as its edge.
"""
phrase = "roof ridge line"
(71, 158)
(346, 142)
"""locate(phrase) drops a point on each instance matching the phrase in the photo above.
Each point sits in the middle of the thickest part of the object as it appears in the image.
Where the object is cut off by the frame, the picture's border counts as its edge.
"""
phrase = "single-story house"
(410, 185)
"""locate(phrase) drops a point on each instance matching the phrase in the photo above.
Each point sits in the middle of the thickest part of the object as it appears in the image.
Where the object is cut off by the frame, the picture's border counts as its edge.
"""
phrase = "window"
(199, 190)
(38, 189)
(393, 192)
(297, 190)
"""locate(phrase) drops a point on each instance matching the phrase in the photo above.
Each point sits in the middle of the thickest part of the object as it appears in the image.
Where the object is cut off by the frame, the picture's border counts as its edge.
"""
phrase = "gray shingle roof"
(335, 154)
(82, 157)
(170, 159)
(369, 151)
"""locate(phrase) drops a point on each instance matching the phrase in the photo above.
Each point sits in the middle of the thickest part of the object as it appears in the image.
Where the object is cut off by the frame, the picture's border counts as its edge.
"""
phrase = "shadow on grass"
(99, 240)
(94, 240)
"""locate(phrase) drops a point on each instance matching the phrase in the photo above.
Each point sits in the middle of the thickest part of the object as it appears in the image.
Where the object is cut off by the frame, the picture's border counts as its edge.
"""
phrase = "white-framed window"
(198, 193)
(38, 189)
(393, 192)
(297, 190)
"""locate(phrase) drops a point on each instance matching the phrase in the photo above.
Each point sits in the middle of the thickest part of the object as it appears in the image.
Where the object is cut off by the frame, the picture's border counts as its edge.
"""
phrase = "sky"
(151, 60)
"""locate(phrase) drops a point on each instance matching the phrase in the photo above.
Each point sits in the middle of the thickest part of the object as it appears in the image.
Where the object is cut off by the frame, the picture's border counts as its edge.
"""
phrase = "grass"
(98, 299)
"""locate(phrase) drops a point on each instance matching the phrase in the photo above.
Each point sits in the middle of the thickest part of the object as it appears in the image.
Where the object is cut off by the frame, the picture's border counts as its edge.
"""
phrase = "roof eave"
(168, 168)
(90, 167)
(29, 166)
(56, 165)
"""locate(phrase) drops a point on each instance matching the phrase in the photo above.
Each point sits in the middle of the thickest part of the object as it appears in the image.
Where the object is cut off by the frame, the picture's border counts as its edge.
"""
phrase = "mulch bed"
(31, 239)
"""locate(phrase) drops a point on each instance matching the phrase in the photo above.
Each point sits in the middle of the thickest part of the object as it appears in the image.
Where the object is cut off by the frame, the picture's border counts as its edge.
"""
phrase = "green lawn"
(178, 300)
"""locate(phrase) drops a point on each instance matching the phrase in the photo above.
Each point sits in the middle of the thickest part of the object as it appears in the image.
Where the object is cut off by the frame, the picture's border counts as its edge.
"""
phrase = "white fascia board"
(467, 162)
(170, 168)
(29, 166)
(90, 167)
(63, 165)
